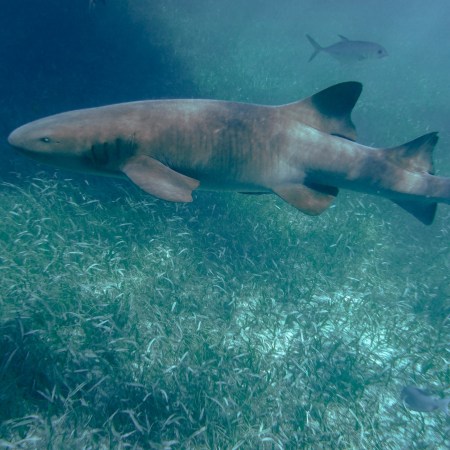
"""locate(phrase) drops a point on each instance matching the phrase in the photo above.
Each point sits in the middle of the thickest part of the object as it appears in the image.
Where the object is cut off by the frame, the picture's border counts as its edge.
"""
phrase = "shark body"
(304, 151)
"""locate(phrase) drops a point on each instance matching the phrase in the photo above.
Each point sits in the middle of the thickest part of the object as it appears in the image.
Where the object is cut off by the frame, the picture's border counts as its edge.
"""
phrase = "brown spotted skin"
(223, 145)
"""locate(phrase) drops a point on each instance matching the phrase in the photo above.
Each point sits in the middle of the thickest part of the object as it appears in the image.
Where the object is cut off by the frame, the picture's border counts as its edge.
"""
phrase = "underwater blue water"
(234, 321)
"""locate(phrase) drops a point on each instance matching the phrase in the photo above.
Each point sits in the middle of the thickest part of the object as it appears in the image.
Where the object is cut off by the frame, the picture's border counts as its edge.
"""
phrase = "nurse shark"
(304, 152)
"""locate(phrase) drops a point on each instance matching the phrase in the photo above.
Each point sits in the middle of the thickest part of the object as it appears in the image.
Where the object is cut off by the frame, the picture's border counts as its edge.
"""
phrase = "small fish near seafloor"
(417, 399)
(348, 51)
(304, 152)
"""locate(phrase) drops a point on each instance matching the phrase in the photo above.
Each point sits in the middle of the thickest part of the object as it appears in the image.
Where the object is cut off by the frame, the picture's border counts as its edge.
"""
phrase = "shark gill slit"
(99, 154)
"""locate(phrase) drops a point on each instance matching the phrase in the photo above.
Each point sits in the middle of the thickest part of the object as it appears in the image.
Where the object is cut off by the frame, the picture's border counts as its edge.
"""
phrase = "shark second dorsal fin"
(328, 110)
(416, 155)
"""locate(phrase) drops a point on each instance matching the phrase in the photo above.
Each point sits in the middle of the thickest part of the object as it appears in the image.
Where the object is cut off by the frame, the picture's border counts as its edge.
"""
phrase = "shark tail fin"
(316, 46)
(416, 156)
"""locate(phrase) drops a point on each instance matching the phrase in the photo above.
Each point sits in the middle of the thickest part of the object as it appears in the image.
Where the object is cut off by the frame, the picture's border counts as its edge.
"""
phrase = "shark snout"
(14, 138)
(31, 139)
(20, 139)
(30, 143)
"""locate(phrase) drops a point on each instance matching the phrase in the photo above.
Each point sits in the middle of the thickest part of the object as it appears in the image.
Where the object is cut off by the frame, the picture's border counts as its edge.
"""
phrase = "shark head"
(75, 140)
(54, 140)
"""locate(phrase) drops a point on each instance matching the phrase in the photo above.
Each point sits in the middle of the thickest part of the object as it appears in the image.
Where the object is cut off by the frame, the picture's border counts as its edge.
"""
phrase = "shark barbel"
(304, 151)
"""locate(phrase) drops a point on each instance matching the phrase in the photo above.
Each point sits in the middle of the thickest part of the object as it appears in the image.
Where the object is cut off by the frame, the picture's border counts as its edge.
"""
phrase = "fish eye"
(45, 139)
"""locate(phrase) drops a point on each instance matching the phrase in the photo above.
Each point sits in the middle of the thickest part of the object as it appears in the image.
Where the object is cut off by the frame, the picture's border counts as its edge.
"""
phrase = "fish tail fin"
(316, 46)
(416, 156)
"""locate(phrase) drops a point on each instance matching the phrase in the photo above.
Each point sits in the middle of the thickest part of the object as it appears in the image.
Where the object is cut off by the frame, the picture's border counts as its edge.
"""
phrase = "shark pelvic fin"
(159, 180)
(328, 110)
(306, 199)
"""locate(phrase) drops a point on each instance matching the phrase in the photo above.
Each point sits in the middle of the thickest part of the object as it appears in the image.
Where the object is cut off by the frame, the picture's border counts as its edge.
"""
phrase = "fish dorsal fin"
(343, 38)
(328, 110)
(416, 155)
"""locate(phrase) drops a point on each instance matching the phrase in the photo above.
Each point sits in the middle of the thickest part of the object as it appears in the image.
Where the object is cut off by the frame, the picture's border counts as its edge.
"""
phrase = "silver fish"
(417, 399)
(347, 51)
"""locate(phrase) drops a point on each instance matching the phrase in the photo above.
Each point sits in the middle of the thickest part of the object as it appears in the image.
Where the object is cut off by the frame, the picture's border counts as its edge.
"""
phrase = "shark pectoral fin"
(159, 180)
(308, 200)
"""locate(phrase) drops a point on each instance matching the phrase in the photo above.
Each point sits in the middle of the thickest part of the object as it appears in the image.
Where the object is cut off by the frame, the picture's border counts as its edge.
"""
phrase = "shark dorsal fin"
(328, 110)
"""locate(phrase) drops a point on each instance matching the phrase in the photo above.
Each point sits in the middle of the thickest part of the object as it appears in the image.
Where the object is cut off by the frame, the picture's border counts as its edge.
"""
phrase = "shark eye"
(45, 139)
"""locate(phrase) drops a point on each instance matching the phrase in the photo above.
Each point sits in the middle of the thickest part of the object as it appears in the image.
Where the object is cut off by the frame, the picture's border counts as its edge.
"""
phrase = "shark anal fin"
(159, 180)
(308, 200)
(424, 212)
